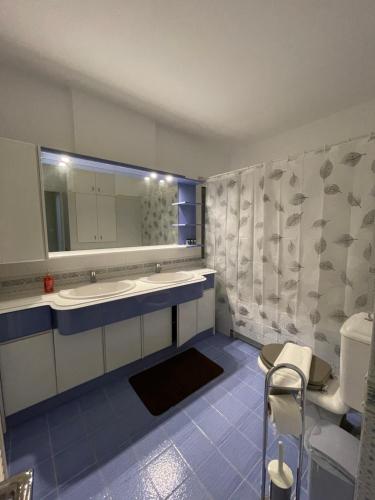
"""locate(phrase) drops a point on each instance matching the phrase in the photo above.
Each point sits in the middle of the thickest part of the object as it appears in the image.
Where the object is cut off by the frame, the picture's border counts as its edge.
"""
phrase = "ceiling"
(228, 68)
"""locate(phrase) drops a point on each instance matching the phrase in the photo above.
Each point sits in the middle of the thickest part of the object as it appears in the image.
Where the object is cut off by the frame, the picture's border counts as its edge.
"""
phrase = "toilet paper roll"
(285, 414)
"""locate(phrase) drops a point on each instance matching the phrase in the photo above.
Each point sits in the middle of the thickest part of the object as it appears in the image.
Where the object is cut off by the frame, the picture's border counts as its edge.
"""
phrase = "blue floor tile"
(150, 444)
(168, 471)
(87, 485)
(93, 399)
(67, 433)
(218, 477)
(245, 492)
(179, 427)
(110, 438)
(97, 417)
(122, 463)
(191, 489)
(73, 460)
(232, 409)
(33, 428)
(214, 425)
(133, 486)
(247, 396)
(63, 413)
(240, 452)
(26, 453)
(44, 479)
(196, 449)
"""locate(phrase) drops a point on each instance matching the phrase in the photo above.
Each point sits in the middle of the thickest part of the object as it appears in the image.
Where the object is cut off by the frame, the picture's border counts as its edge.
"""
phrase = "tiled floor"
(106, 445)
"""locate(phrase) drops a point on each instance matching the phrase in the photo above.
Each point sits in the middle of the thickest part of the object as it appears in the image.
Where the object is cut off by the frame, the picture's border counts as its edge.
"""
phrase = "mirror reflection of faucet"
(157, 268)
(93, 277)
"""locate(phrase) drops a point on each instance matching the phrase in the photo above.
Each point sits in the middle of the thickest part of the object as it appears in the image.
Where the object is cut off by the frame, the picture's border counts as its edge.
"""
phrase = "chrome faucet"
(92, 277)
(157, 268)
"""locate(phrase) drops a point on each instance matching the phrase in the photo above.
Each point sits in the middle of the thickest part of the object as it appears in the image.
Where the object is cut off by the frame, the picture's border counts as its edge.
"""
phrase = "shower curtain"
(293, 245)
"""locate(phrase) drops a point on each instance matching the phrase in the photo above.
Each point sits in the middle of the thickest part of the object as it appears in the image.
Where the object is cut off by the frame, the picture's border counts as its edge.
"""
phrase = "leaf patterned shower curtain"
(293, 245)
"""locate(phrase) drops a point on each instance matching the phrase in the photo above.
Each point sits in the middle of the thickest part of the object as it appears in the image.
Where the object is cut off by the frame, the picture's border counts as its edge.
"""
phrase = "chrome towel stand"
(301, 392)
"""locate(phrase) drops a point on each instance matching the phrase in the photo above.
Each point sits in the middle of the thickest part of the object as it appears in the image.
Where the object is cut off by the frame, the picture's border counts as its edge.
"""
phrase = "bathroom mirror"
(92, 204)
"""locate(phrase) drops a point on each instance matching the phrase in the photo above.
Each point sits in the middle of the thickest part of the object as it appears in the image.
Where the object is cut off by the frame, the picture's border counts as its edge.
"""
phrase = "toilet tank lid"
(358, 327)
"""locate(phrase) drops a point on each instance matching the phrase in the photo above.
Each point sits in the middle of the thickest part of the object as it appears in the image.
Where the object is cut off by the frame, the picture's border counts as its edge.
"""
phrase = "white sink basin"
(161, 278)
(97, 290)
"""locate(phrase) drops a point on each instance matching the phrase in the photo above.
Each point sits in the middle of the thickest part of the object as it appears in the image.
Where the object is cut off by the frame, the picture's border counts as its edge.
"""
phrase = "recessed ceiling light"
(162, 181)
(65, 159)
(168, 178)
(153, 175)
(147, 178)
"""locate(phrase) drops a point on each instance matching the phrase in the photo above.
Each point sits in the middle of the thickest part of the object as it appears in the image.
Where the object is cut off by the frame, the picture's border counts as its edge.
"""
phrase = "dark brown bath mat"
(171, 381)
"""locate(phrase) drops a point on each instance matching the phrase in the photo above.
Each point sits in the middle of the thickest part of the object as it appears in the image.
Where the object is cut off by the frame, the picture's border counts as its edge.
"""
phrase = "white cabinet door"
(157, 331)
(187, 321)
(79, 357)
(87, 224)
(21, 219)
(123, 343)
(206, 310)
(83, 181)
(106, 209)
(105, 183)
(27, 371)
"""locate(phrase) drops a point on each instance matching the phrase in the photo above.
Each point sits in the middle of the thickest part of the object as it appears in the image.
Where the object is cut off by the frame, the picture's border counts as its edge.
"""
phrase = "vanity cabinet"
(187, 321)
(157, 331)
(21, 221)
(206, 310)
(27, 371)
(96, 218)
(195, 316)
(123, 343)
(79, 357)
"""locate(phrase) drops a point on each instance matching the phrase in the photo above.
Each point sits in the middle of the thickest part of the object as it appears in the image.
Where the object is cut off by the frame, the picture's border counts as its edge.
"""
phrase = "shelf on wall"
(197, 245)
(186, 203)
(185, 225)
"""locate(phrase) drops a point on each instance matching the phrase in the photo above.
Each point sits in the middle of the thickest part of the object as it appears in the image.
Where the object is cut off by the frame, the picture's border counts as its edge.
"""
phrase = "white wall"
(38, 110)
(350, 122)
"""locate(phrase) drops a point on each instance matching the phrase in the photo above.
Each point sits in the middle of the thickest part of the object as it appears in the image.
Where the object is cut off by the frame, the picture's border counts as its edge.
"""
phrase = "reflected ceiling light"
(65, 159)
(147, 178)
(63, 165)
(153, 175)
(162, 181)
(168, 178)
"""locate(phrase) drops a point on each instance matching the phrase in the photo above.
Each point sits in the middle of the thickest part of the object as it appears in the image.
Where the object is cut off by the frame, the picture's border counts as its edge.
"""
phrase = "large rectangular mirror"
(94, 204)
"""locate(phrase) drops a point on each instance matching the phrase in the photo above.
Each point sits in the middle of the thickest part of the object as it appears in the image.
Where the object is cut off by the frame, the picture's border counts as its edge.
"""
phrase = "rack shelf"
(185, 225)
(186, 203)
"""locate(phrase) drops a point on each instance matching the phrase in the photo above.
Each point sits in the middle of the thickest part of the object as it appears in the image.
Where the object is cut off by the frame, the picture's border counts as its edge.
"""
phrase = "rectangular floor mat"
(171, 381)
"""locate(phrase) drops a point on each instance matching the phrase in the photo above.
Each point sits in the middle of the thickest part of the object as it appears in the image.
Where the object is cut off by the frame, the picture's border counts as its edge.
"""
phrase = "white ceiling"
(232, 68)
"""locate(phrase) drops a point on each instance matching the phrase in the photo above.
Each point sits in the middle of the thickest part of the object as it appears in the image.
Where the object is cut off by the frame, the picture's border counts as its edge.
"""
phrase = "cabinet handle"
(95, 237)
(92, 188)
(98, 190)
(101, 237)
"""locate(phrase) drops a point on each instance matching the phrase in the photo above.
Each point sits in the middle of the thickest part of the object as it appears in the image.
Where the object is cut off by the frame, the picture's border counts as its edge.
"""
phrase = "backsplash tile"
(34, 281)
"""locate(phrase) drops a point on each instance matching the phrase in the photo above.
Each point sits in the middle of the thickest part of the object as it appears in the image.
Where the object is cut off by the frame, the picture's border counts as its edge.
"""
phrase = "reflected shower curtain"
(292, 242)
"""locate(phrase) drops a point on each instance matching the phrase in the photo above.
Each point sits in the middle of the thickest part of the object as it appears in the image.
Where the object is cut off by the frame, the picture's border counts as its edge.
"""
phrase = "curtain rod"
(326, 147)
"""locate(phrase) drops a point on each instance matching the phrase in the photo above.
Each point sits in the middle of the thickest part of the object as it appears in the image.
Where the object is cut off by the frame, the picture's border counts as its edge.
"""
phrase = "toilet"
(347, 391)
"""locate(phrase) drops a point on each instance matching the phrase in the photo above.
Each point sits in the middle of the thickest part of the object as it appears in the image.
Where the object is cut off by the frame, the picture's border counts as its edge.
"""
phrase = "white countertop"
(33, 299)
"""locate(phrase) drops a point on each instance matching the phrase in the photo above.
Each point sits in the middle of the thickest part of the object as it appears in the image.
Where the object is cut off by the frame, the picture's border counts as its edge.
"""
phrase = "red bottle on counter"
(49, 282)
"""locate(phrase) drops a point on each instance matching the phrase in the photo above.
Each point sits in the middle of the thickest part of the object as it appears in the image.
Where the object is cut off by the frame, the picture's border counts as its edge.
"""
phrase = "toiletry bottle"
(48, 281)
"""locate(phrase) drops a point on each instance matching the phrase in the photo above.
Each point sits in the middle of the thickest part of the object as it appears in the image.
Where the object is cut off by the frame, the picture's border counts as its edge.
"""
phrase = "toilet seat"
(329, 400)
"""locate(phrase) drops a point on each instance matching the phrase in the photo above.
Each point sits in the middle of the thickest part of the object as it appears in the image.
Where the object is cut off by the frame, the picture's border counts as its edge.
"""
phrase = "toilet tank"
(354, 359)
